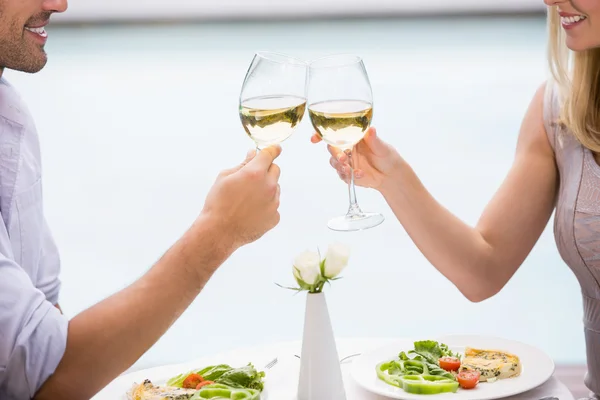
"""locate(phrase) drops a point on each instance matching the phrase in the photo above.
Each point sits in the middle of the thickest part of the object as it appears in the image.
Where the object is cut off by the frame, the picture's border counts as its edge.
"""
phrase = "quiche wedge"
(147, 391)
(491, 364)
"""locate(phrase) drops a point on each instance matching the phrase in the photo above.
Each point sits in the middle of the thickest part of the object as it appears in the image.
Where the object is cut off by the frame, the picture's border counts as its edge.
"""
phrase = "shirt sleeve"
(48, 277)
(33, 333)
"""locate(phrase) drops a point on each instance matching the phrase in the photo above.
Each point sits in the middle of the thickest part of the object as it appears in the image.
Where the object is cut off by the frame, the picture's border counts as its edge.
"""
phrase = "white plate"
(537, 369)
(118, 389)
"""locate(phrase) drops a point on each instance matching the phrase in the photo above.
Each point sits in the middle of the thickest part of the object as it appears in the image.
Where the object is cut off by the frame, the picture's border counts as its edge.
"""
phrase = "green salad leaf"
(219, 391)
(446, 352)
(415, 383)
(215, 373)
(435, 369)
(246, 377)
(418, 370)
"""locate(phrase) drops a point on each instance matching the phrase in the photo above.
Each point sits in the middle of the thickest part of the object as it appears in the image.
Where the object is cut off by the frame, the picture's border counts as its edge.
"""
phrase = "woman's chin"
(577, 45)
(575, 48)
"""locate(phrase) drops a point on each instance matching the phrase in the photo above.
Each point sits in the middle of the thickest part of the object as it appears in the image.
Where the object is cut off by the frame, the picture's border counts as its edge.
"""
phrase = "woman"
(556, 166)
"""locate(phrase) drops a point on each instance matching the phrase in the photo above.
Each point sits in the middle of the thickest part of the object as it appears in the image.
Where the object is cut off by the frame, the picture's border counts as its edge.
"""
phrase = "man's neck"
(1, 71)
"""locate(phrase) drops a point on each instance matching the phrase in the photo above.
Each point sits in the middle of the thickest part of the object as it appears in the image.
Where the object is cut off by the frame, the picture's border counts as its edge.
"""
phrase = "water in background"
(136, 122)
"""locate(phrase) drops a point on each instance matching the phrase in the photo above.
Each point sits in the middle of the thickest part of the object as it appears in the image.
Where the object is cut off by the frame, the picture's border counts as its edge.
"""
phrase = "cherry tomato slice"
(204, 383)
(468, 378)
(192, 381)
(449, 363)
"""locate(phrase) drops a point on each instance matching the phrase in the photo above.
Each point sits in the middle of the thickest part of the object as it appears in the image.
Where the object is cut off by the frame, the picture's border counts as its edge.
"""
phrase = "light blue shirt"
(33, 333)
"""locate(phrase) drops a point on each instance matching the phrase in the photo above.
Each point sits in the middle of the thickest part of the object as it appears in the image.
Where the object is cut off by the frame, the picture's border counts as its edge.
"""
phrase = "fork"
(271, 363)
(349, 357)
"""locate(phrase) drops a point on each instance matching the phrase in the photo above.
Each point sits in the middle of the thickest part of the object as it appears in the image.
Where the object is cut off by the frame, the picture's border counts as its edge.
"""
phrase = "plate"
(537, 369)
(117, 390)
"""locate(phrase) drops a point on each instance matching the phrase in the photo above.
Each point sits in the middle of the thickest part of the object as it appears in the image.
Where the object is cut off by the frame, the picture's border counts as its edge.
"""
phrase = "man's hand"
(110, 336)
(245, 199)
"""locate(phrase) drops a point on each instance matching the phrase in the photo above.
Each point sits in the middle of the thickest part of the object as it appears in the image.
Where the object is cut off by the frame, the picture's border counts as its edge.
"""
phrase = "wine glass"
(341, 109)
(273, 98)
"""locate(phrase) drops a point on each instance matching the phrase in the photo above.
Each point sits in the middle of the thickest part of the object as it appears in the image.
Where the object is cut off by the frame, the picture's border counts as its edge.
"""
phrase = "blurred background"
(137, 112)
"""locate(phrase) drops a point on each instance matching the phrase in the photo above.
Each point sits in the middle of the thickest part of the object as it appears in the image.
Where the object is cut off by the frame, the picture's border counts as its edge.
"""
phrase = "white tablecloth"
(282, 379)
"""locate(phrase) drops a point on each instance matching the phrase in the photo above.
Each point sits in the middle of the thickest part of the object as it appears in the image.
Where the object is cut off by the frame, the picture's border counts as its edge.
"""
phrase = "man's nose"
(55, 5)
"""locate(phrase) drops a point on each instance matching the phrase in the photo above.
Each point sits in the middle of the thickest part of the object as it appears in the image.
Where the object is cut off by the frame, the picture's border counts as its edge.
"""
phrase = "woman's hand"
(375, 161)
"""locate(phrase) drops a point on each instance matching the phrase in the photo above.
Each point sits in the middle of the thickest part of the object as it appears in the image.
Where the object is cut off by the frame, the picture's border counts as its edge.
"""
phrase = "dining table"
(281, 363)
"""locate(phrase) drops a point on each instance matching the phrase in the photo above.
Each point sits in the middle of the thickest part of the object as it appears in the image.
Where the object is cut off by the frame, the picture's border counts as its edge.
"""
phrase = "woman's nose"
(554, 2)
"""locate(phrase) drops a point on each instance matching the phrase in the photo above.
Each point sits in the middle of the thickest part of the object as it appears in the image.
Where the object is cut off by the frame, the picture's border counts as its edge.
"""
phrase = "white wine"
(341, 123)
(269, 120)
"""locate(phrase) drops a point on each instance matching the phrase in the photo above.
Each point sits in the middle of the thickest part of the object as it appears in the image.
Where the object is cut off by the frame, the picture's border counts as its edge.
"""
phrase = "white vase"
(320, 370)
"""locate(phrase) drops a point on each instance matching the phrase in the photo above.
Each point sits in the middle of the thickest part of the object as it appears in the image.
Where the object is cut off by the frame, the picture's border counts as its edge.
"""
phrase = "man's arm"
(108, 338)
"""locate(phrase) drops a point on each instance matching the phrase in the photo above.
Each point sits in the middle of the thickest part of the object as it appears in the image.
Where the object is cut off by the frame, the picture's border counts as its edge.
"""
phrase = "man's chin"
(32, 66)
(34, 70)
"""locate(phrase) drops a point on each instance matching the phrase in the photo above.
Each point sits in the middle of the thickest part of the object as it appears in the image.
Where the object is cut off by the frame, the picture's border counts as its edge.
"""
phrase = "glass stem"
(354, 209)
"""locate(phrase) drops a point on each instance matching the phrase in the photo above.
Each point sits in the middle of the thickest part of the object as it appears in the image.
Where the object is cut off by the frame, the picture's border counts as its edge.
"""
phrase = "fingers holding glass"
(341, 110)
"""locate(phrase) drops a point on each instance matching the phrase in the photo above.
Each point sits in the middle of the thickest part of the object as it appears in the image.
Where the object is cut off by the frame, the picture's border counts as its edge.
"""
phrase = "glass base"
(355, 222)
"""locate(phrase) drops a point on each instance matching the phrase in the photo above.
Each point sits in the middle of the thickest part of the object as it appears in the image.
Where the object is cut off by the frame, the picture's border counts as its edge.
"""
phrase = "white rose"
(307, 267)
(336, 259)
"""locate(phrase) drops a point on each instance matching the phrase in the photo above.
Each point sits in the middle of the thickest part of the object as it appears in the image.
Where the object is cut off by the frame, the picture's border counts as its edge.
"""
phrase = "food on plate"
(147, 391)
(217, 391)
(432, 368)
(214, 382)
(449, 363)
(468, 379)
(246, 377)
(418, 371)
(491, 364)
(192, 381)
(424, 384)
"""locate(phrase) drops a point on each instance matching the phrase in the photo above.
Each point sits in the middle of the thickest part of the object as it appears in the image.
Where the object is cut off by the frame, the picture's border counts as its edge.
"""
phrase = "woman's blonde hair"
(577, 75)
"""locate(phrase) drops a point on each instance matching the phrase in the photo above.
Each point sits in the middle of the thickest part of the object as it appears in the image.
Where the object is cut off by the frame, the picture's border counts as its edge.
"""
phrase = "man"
(42, 354)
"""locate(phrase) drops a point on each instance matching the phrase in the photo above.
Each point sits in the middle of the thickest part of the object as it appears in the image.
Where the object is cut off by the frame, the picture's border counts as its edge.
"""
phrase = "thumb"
(249, 156)
(265, 158)
(377, 146)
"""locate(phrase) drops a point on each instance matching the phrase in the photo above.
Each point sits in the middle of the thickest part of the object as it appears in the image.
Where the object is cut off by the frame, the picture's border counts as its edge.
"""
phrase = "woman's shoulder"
(550, 95)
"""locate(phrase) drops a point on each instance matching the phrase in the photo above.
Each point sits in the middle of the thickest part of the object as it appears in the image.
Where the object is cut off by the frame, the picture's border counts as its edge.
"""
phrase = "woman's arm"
(478, 260)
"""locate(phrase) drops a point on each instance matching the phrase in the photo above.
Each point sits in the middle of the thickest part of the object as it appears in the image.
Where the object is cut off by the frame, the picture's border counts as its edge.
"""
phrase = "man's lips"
(38, 30)
(38, 25)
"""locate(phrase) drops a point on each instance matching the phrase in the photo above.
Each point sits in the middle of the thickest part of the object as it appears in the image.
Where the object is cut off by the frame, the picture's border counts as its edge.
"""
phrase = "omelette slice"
(491, 364)
(147, 391)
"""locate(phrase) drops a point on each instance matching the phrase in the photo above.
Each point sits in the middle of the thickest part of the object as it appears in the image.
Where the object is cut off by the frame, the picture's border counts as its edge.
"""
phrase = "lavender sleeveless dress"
(577, 225)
